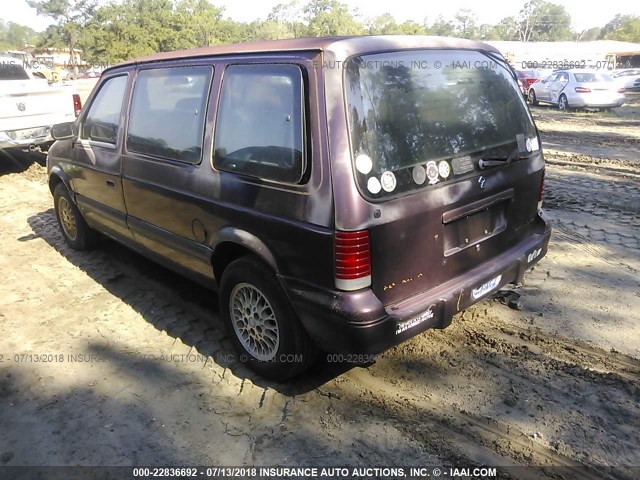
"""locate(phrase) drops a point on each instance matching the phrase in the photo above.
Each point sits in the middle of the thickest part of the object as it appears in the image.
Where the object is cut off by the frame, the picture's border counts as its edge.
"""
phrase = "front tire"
(261, 322)
(75, 230)
(563, 103)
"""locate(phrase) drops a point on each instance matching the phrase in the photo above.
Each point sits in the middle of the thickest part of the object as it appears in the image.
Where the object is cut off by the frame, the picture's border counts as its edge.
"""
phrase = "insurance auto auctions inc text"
(373, 472)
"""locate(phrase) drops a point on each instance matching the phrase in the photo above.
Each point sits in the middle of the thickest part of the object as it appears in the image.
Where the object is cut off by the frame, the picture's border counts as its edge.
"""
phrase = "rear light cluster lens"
(583, 90)
(541, 191)
(352, 260)
(77, 104)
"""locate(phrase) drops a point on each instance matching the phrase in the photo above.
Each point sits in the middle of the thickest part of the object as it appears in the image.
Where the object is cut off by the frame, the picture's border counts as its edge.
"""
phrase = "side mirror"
(61, 131)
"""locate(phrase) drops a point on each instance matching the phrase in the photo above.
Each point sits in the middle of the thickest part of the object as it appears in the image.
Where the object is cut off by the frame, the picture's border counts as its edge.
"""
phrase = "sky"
(584, 14)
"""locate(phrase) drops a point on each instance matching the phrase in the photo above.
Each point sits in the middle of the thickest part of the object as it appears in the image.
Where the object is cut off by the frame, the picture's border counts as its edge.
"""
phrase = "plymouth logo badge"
(21, 106)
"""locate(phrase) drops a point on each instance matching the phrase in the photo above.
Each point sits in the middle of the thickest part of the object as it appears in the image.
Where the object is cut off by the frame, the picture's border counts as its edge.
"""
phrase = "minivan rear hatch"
(444, 145)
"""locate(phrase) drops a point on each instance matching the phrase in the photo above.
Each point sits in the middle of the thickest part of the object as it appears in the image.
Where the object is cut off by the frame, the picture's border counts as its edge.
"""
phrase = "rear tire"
(532, 98)
(75, 230)
(261, 322)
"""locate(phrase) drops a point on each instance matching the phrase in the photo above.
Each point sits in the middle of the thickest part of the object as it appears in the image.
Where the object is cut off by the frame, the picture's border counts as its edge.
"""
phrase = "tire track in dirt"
(464, 438)
(579, 191)
(520, 366)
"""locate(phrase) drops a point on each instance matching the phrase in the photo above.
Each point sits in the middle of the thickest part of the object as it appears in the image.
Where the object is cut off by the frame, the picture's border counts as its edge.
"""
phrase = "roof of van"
(341, 45)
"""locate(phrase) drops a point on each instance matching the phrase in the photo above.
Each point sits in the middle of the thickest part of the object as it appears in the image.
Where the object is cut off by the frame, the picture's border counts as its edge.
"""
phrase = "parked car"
(577, 89)
(335, 192)
(528, 78)
(627, 79)
(29, 107)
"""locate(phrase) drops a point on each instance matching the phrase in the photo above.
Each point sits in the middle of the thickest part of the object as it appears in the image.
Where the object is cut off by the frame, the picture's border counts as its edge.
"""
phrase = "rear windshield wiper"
(493, 162)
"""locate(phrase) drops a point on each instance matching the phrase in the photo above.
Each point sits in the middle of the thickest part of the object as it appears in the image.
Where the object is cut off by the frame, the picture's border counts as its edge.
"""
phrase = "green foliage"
(506, 29)
(330, 17)
(70, 17)
(465, 24)
(442, 28)
(589, 35)
(544, 21)
(625, 28)
(14, 36)
(122, 29)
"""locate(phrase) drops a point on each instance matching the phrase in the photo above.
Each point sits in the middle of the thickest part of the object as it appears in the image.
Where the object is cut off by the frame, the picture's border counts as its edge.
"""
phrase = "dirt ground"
(108, 359)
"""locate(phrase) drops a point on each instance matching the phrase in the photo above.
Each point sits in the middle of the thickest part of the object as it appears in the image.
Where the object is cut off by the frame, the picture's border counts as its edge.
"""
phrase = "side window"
(168, 112)
(102, 121)
(260, 124)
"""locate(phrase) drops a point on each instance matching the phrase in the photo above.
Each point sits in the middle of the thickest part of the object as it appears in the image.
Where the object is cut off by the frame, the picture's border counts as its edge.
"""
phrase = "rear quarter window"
(260, 123)
(592, 77)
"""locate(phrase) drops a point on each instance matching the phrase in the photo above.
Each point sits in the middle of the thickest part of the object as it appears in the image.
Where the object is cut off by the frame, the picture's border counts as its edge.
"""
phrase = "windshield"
(592, 77)
(408, 109)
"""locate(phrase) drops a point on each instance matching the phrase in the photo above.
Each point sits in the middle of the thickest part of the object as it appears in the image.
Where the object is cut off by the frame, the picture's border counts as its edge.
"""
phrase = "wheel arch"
(233, 243)
(58, 176)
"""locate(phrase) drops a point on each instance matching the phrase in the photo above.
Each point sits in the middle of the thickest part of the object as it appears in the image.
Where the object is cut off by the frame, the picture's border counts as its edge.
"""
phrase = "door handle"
(111, 183)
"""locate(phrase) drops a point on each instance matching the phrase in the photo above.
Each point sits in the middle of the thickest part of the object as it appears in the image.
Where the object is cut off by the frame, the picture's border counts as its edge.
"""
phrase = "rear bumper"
(357, 322)
(586, 100)
(26, 137)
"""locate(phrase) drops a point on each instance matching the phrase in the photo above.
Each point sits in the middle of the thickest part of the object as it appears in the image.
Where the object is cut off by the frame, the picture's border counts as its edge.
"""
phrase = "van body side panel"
(177, 209)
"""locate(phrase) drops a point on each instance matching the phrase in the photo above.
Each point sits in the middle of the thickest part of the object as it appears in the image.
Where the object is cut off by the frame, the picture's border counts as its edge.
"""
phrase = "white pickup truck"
(29, 107)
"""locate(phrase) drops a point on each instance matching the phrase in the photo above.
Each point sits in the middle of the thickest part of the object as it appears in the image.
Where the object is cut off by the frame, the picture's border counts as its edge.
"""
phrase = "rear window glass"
(168, 112)
(413, 108)
(592, 77)
(260, 125)
(12, 70)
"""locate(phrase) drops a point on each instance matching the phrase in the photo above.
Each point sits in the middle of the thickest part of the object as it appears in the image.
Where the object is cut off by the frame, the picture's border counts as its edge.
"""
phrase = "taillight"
(583, 90)
(77, 104)
(352, 260)
(541, 191)
(621, 90)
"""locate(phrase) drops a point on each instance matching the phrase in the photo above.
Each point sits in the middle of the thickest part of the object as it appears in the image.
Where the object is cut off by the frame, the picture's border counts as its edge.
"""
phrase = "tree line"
(117, 31)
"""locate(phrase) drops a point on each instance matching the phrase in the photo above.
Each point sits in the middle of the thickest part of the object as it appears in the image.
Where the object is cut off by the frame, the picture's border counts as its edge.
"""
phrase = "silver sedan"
(628, 79)
(577, 89)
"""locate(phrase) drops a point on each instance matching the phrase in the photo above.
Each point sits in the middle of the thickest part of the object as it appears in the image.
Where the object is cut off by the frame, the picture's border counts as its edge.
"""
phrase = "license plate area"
(468, 226)
(28, 133)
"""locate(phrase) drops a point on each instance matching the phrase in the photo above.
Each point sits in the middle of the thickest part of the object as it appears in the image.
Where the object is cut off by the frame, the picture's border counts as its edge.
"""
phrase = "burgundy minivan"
(342, 194)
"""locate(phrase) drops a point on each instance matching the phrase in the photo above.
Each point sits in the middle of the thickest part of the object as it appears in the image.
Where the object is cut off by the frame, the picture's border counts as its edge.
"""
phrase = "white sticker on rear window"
(373, 185)
(419, 174)
(388, 181)
(364, 164)
(485, 288)
(535, 144)
(444, 169)
(432, 172)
